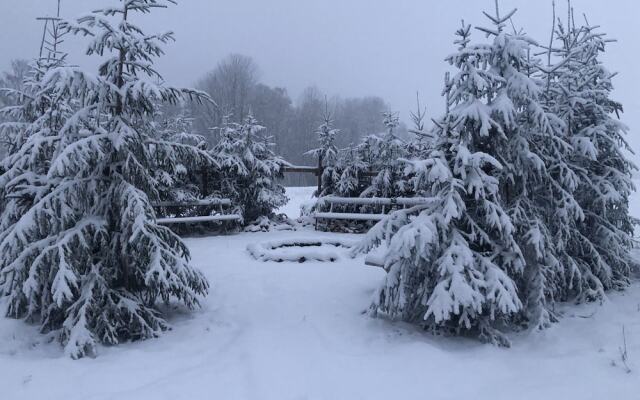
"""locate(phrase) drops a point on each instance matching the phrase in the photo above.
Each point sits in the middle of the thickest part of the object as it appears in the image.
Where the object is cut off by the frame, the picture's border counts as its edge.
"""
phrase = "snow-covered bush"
(80, 250)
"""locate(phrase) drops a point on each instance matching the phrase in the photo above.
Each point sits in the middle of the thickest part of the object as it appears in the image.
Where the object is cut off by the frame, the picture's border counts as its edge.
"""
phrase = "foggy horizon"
(348, 50)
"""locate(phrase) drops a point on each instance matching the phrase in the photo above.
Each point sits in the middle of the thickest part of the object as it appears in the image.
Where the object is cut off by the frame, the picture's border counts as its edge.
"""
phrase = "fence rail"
(194, 203)
(378, 201)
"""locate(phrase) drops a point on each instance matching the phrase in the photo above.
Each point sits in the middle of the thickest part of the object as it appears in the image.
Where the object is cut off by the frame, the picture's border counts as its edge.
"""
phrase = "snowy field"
(297, 331)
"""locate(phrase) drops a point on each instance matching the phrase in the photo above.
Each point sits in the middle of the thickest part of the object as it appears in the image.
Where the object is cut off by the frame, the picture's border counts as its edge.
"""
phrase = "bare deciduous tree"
(230, 85)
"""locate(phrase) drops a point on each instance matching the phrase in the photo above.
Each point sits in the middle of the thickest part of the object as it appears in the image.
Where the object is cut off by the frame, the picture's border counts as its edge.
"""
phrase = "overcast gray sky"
(346, 47)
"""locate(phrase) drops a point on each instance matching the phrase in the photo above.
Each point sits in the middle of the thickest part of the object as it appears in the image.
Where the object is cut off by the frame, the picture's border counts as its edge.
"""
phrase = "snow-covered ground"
(297, 197)
(297, 331)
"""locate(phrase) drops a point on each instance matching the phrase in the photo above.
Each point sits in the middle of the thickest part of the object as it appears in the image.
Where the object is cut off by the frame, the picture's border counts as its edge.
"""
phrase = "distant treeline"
(236, 88)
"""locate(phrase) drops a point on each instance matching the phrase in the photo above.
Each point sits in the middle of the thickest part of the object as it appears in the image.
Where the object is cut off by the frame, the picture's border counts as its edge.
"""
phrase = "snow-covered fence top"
(218, 217)
(194, 203)
(349, 216)
(195, 220)
(377, 201)
(385, 204)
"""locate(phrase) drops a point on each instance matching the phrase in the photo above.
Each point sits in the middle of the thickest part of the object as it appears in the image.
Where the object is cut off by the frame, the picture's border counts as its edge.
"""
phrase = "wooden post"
(205, 182)
(320, 171)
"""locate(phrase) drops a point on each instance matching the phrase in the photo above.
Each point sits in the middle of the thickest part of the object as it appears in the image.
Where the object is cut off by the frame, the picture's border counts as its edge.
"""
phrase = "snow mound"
(279, 222)
(300, 250)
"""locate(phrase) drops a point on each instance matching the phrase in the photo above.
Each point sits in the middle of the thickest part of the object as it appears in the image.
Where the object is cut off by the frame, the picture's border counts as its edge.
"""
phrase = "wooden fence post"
(205, 182)
(320, 172)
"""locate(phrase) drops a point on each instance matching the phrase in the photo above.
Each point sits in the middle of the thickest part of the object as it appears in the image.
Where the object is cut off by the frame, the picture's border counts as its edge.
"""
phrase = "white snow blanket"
(296, 331)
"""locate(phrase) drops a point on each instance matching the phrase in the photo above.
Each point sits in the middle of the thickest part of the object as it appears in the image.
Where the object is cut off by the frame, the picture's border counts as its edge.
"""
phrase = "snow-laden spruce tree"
(597, 250)
(384, 154)
(31, 136)
(327, 153)
(422, 138)
(349, 166)
(16, 89)
(452, 267)
(536, 184)
(250, 169)
(27, 101)
(80, 250)
(178, 179)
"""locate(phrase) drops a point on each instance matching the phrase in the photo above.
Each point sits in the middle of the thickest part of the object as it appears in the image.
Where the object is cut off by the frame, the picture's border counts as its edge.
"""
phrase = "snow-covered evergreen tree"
(250, 169)
(14, 91)
(179, 129)
(535, 186)
(349, 167)
(422, 139)
(384, 157)
(178, 179)
(31, 135)
(528, 171)
(327, 153)
(80, 250)
(452, 266)
(597, 248)
(27, 100)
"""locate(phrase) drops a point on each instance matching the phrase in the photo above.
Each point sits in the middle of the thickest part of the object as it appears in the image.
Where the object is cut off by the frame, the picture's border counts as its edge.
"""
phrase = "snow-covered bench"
(220, 216)
(384, 204)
